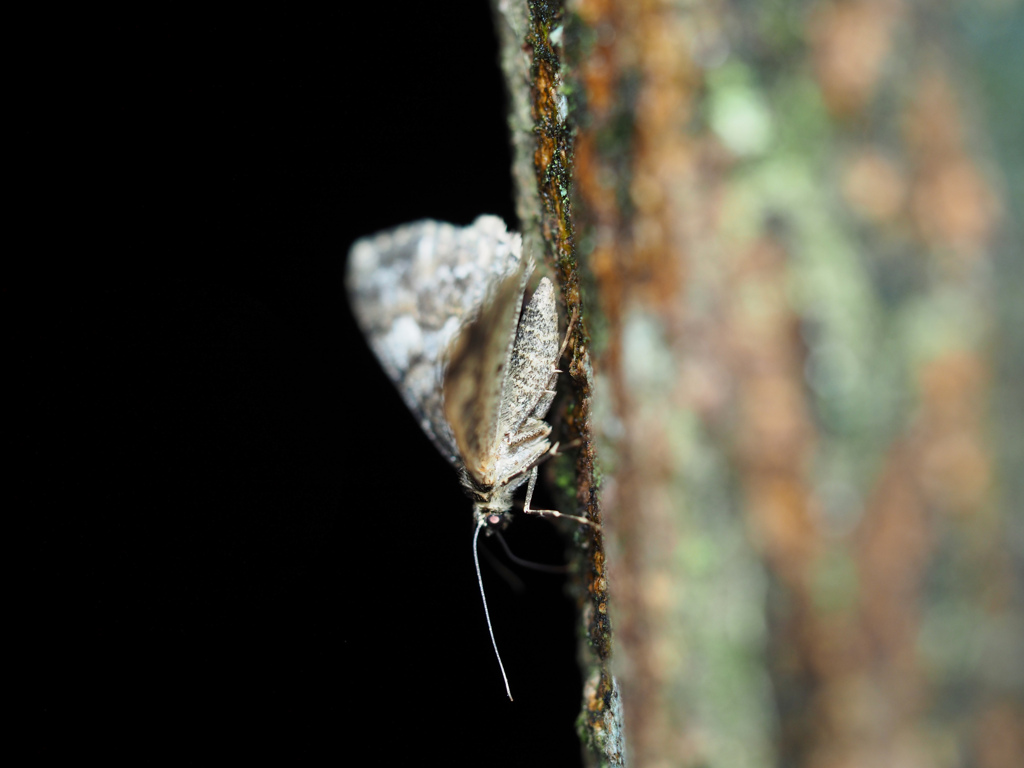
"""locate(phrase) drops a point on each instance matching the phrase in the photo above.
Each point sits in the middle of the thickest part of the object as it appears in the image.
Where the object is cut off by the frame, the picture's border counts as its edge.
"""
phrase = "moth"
(443, 309)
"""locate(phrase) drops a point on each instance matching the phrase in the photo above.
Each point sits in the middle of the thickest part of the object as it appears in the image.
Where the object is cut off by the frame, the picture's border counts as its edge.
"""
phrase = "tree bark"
(542, 138)
(790, 235)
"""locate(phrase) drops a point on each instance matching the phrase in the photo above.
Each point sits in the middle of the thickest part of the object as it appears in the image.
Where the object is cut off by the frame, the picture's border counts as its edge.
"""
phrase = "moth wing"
(529, 386)
(411, 289)
(478, 365)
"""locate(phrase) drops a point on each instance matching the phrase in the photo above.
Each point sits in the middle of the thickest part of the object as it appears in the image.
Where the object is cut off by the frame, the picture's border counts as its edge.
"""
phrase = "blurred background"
(803, 226)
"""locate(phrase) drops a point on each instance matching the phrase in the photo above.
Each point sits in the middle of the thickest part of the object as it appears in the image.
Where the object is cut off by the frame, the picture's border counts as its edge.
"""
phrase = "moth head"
(490, 517)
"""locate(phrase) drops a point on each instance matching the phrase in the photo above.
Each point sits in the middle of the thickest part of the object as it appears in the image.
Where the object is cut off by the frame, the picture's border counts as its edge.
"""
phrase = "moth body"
(443, 309)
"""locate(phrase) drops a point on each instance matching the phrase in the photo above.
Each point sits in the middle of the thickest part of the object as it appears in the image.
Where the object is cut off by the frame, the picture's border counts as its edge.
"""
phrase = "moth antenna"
(515, 583)
(542, 567)
(487, 614)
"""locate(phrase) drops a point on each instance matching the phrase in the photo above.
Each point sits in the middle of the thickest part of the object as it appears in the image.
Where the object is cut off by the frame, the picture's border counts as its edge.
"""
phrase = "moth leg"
(548, 394)
(561, 351)
(549, 512)
(568, 333)
(553, 450)
(532, 430)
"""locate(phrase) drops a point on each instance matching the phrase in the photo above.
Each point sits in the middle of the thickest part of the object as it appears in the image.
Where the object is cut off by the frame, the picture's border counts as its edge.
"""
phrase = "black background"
(240, 544)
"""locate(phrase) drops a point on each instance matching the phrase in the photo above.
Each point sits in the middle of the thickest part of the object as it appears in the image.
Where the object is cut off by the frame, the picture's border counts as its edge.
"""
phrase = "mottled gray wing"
(412, 288)
(478, 364)
(531, 380)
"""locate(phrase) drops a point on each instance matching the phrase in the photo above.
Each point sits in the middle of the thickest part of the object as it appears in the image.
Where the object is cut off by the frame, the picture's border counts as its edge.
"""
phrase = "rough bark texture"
(542, 136)
(799, 223)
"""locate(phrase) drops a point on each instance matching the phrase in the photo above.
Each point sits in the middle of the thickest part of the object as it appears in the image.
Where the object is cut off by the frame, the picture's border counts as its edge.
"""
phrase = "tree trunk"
(790, 234)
